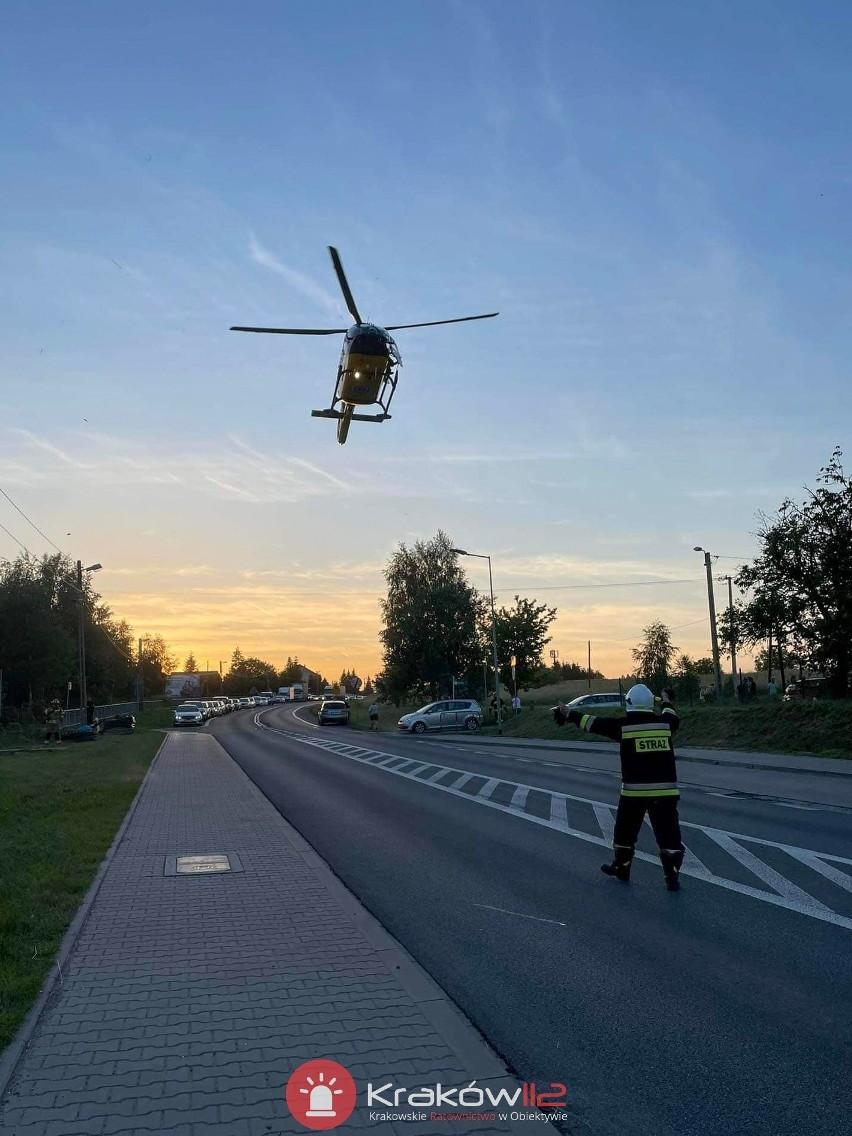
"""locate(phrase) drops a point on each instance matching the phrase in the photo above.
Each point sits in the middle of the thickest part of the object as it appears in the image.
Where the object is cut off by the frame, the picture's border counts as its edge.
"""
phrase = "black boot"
(672, 862)
(620, 866)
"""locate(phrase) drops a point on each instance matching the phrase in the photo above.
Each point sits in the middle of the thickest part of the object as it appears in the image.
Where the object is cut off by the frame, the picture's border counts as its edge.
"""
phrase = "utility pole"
(714, 633)
(81, 636)
(139, 686)
(590, 664)
(732, 630)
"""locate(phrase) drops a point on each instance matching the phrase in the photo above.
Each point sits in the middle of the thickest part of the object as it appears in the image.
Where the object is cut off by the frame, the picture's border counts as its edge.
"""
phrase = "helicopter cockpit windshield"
(367, 341)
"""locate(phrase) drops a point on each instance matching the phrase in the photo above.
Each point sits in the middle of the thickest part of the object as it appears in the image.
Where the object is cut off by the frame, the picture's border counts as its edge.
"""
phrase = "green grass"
(822, 728)
(60, 807)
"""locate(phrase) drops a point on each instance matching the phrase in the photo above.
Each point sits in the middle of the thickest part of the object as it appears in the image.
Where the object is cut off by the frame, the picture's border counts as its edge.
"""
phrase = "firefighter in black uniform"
(648, 779)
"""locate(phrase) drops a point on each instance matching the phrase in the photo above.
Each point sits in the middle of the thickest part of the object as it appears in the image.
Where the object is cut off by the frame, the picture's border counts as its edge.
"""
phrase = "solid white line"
(519, 798)
(520, 914)
(605, 820)
(810, 907)
(763, 871)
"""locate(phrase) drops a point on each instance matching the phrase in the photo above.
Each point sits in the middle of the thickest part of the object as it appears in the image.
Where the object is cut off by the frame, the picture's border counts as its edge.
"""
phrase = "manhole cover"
(202, 863)
(188, 864)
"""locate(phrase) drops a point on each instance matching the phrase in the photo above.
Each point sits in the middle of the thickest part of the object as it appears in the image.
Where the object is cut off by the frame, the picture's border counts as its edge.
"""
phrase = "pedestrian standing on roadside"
(516, 704)
(648, 779)
(53, 722)
(90, 712)
(373, 711)
(752, 687)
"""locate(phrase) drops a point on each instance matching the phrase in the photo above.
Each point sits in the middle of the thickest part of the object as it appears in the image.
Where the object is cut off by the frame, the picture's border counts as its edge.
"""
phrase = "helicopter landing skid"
(330, 413)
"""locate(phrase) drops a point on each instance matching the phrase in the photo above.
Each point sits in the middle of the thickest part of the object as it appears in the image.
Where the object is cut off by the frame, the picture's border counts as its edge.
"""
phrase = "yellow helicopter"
(369, 361)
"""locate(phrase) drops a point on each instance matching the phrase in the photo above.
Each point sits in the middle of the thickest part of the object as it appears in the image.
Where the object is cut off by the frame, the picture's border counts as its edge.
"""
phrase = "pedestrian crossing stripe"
(785, 893)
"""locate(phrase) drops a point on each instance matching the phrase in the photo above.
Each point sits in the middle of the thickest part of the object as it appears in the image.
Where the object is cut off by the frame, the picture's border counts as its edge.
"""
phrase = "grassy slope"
(821, 728)
(60, 807)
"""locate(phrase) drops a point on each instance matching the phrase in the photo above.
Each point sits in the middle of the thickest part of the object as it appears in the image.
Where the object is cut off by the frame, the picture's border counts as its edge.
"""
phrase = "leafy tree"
(655, 655)
(291, 673)
(431, 620)
(686, 681)
(704, 665)
(801, 584)
(249, 674)
(190, 667)
(157, 662)
(40, 605)
(522, 633)
(368, 686)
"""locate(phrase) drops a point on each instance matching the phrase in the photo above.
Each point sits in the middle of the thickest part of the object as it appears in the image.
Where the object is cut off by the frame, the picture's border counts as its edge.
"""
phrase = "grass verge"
(821, 729)
(60, 807)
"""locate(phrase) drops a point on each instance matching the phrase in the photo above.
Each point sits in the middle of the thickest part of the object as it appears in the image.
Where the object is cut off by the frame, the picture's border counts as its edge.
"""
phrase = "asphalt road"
(723, 1009)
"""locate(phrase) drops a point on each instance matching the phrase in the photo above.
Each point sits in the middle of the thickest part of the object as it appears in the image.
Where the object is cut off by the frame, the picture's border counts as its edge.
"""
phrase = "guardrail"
(76, 717)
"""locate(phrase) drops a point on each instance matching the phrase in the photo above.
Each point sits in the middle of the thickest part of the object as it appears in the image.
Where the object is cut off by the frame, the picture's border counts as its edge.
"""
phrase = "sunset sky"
(655, 196)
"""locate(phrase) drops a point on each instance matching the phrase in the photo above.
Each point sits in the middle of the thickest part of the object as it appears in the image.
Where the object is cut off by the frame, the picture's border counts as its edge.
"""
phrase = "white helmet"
(639, 697)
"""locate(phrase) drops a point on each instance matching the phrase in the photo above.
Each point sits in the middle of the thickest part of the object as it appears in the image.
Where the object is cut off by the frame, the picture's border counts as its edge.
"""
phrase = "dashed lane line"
(785, 893)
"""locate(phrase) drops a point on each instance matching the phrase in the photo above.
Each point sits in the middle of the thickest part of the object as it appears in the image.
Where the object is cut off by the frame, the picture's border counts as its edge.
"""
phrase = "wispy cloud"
(298, 281)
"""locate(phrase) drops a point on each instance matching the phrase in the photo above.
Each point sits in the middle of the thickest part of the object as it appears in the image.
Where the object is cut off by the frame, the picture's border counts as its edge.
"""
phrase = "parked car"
(202, 706)
(809, 688)
(245, 703)
(333, 710)
(189, 714)
(452, 714)
(593, 702)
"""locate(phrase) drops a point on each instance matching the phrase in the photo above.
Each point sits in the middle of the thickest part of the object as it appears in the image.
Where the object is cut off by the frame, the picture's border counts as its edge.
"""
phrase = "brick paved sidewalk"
(187, 1000)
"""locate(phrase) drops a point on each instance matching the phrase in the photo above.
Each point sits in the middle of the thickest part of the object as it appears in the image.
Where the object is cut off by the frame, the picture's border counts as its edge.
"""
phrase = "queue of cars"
(197, 711)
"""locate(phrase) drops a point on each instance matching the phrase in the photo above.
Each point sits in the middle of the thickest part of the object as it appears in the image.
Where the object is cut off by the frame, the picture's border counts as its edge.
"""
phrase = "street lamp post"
(481, 556)
(714, 634)
(81, 632)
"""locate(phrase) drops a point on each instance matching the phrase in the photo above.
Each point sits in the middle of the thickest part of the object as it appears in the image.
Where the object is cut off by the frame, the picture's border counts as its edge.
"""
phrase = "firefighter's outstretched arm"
(607, 727)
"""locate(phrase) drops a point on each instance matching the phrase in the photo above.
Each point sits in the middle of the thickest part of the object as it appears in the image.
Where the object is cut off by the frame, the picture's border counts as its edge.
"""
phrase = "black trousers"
(662, 813)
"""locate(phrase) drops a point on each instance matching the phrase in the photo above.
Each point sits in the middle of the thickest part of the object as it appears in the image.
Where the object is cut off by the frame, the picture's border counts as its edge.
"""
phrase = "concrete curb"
(586, 747)
(14, 1051)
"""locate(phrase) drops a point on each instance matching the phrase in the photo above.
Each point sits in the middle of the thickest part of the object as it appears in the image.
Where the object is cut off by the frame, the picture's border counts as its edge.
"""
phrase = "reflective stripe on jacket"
(647, 752)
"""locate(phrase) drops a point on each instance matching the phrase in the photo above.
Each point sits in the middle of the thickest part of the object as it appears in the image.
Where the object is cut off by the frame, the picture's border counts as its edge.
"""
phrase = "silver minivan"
(452, 714)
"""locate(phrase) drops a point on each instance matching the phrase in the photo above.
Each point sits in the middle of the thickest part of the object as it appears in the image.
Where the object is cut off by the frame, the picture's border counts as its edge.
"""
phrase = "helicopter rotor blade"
(295, 330)
(434, 323)
(344, 284)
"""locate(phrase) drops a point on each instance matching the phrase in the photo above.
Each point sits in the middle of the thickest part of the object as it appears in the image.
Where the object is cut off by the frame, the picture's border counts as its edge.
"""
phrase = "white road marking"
(814, 860)
(559, 809)
(488, 788)
(519, 797)
(520, 914)
(605, 820)
(785, 893)
(763, 871)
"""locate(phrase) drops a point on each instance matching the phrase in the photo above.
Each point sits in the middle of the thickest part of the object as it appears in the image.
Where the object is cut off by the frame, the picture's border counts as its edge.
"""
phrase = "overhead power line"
(619, 584)
(15, 539)
(29, 522)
